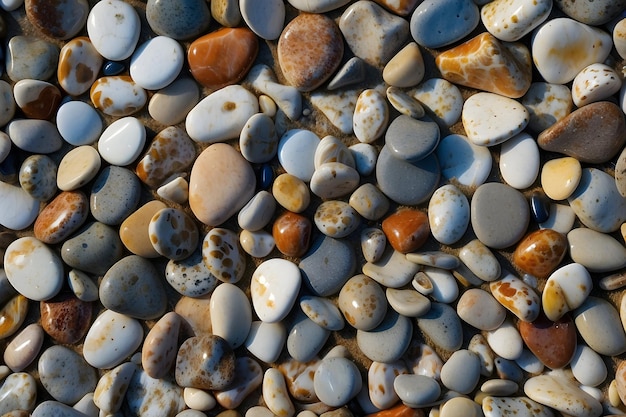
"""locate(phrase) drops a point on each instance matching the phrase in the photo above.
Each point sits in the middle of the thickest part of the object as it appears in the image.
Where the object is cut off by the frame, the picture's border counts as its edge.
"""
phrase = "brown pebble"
(65, 318)
(406, 230)
(62, 217)
(541, 252)
(292, 233)
(554, 343)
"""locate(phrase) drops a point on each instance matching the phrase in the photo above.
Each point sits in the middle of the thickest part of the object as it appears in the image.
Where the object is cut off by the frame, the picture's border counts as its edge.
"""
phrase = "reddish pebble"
(65, 318)
(60, 19)
(553, 342)
(398, 411)
(406, 230)
(541, 252)
(292, 233)
(310, 49)
(62, 217)
(222, 57)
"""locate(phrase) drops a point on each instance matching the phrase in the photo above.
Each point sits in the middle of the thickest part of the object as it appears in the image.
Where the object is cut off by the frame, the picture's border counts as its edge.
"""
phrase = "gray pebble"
(387, 342)
(190, 276)
(65, 374)
(31, 58)
(35, 136)
(443, 326)
(55, 409)
(178, 19)
(114, 195)
(305, 338)
(38, 177)
(94, 249)
(592, 12)
(327, 265)
(411, 139)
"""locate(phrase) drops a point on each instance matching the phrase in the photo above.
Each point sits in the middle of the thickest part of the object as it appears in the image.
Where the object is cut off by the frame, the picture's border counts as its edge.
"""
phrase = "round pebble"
(114, 28)
(168, 18)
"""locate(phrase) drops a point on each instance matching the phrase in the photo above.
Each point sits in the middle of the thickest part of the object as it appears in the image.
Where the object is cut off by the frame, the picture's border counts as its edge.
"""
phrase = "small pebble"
(111, 388)
(78, 167)
(453, 153)
(597, 321)
(336, 219)
(480, 260)
(291, 193)
(292, 234)
(65, 318)
(461, 371)
(223, 256)
(443, 326)
(38, 177)
(171, 104)
(567, 288)
(371, 116)
(369, 202)
(479, 309)
(517, 297)
(448, 214)
(78, 123)
(540, 252)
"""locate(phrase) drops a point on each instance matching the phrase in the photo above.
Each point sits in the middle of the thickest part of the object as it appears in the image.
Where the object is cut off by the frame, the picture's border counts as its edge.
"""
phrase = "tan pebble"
(78, 167)
(134, 230)
(406, 68)
(560, 177)
(291, 193)
(195, 314)
(613, 394)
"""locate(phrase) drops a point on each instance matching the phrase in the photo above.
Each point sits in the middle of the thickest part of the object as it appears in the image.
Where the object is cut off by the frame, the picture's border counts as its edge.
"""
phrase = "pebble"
(171, 104)
(521, 406)
(560, 177)
(180, 23)
(435, 259)
(362, 302)
(407, 302)
(583, 248)
(598, 323)
(336, 381)
(410, 139)
(305, 338)
(309, 50)
(567, 36)
(566, 289)
(404, 103)
(78, 167)
(190, 276)
(369, 202)
(480, 260)
(176, 190)
(221, 115)
(18, 392)
(160, 52)
(445, 288)
(442, 325)
(33, 268)
(291, 193)
(393, 269)
(51, 408)
(13, 313)
(22, 350)
(117, 95)
(597, 203)
(336, 219)
(381, 379)
(389, 340)
(507, 344)
(173, 233)
(510, 21)
(561, 394)
(540, 252)
(499, 387)
(197, 400)
(592, 14)
(266, 340)
(602, 121)
(448, 214)
(319, 6)
(38, 177)
(334, 179)
(274, 289)
(327, 265)
(442, 98)
(547, 103)
(485, 63)
(205, 57)
(258, 140)
(223, 256)
(517, 297)
(373, 243)
(132, 286)
(114, 29)
(231, 315)
(28, 57)
(406, 230)
(78, 123)
(554, 343)
(37, 99)
(338, 107)
(518, 174)
(594, 83)
(18, 209)
(285, 97)
(265, 21)
(275, 393)
(65, 318)
(461, 371)
(122, 141)
(483, 114)
(406, 68)
(200, 354)
(221, 183)
(226, 12)
(134, 232)
(436, 24)
(34, 135)
(65, 374)
(365, 157)
(499, 215)
(296, 153)
(480, 309)
(62, 21)
(159, 348)
(372, 33)
(5, 146)
(258, 244)
(588, 367)
(371, 116)
(453, 153)
(248, 377)
(114, 195)
(111, 388)
(292, 234)
(258, 212)
(149, 396)
(194, 323)
(93, 249)
(416, 390)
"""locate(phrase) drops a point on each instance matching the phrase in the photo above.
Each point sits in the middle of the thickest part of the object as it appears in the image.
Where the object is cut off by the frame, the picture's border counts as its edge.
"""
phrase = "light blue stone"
(437, 23)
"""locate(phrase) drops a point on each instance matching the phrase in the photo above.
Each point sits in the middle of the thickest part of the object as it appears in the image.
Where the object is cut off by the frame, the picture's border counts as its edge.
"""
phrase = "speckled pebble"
(38, 177)
(114, 195)
(336, 219)
(223, 256)
(65, 374)
(93, 249)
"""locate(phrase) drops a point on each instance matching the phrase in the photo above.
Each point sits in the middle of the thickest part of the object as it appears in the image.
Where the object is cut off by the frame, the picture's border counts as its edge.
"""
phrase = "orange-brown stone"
(292, 233)
(398, 411)
(487, 64)
(553, 342)
(310, 49)
(399, 7)
(65, 318)
(540, 252)
(62, 217)
(222, 57)
(406, 230)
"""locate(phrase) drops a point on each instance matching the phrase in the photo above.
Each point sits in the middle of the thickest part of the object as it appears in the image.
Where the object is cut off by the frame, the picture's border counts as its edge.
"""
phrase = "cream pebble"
(322, 311)
(274, 288)
(404, 103)
(331, 149)
(159, 348)
(291, 193)
(406, 68)
(480, 260)
(442, 98)
(517, 297)
(223, 256)
(566, 289)
(78, 167)
(371, 116)
(336, 219)
(111, 388)
(479, 309)
(593, 83)
(171, 104)
(584, 248)
(231, 314)
(197, 399)
(505, 341)
(334, 179)
(248, 377)
(275, 393)
(258, 244)
(123, 335)
(560, 177)
(380, 380)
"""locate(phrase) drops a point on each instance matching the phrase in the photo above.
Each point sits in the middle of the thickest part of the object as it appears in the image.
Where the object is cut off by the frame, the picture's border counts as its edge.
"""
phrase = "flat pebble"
(567, 36)
(371, 116)
(305, 338)
(93, 249)
(448, 214)
(114, 195)
(79, 65)
(362, 302)
(522, 406)
(266, 340)
(34, 136)
(540, 252)
(442, 98)
(122, 141)
(407, 302)
(65, 318)
(37, 99)
(416, 390)
(308, 50)
(520, 161)
(296, 153)
(389, 340)
(393, 269)
(552, 342)
(38, 177)
(431, 22)
(327, 265)
(78, 167)
(111, 339)
(171, 104)
(149, 396)
(258, 244)
(159, 348)
(78, 123)
(583, 248)
(365, 156)
(479, 309)
(442, 325)
(336, 219)
(231, 314)
(18, 392)
(274, 289)
(22, 350)
(411, 139)
(169, 19)
(588, 367)
(336, 381)
(487, 64)
(114, 28)
(597, 321)
(597, 203)
(223, 256)
(384, 36)
(517, 297)
(29, 57)
(221, 183)
(369, 202)
(197, 355)
(499, 21)
(65, 374)
(334, 179)
(134, 232)
(480, 260)
(556, 391)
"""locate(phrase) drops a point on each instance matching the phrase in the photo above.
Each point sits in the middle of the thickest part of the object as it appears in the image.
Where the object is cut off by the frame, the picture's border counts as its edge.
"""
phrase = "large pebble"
(18, 392)
(393, 269)
(59, 20)
(555, 47)
(146, 396)
(540, 252)
(461, 371)
(221, 183)
(372, 33)
(435, 24)
(510, 20)
(442, 325)
(205, 362)
(517, 297)
(602, 123)
(362, 302)
(305, 338)
(93, 249)
(78, 123)
(65, 374)
(34, 136)
(265, 21)
(61, 217)
(553, 342)
(598, 322)
(389, 340)
(133, 287)
(65, 318)
(566, 289)
(29, 57)
(336, 381)
(231, 315)
(111, 339)
(33, 269)
(296, 153)
(223, 256)
(114, 195)
(117, 95)
(327, 265)
(177, 19)
(560, 393)
(479, 309)
(160, 346)
(448, 214)
(597, 203)
(113, 27)
(584, 245)
(79, 65)
(24, 348)
(309, 50)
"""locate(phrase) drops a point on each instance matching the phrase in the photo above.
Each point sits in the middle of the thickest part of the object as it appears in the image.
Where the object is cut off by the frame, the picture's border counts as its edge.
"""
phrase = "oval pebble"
(22, 350)
(150, 395)
(274, 289)
(454, 152)
(380, 380)
(65, 318)
(78, 123)
(373, 242)
(93, 249)
(520, 161)
(371, 116)
(480, 260)
(199, 354)
(540, 252)
(507, 343)
(442, 325)
(291, 193)
(78, 167)
(159, 52)
(167, 18)
(13, 314)
(190, 276)
(588, 367)
(597, 321)
(560, 177)
(159, 348)
(407, 302)
(38, 177)
(593, 83)
(79, 65)
(369, 202)
(111, 388)
(37, 99)
(479, 309)
(583, 248)
(231, 314)
(565, 290)
(560, 393)
(257, 213)
(122, 141)
(114, 28)
(431, 22)
(416, 390)
(305, 338)
(553, 343)
(336, 219)
(362, 302)
(258, 139)
(266, 340)
(258, 244)
(322, 311)
(34, 136)
(18, 392)
(65, 374)
(173, 233)
(517, 297)
(134, 229)
(461, 371)
(171, 104)
(389, 340)
(223, 256)
(114, 195)
(327, 265)
(336, 381)
(117, 95)
(448, 214)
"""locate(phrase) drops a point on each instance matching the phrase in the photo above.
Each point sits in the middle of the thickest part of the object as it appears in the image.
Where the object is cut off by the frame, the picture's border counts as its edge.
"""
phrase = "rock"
(554, 343)
(38, 177)
(160, 52)
(442, 325)
(78, 123)
(406, 68)
(461, 371)
(480, 309)
(29, 57)
(171, 104)
(159, 348)
(149, 396)
(65, 318)
(560, 393)
(362, 302)
(24, 348)
(453, 153)
(333, 180)
(336, 219)
(114, 195)
(327, 265)
(111, 339)
(93, 249)
(114, 28)
(65, 374)
(510, 21)
(393, 269)
(584, 245)
(540, 252)
(292, 233)
(222, 255)
(560, 177)
(371, 116)
(112, 386)
(291, 193)
(173, 233)
(34, 135)
(231, 315)
(336, 381)
(448, 214)
(60, 20)
(410, 139)
(78, 167)
(547, 103)
(595, 82)
(197, 355)
(190, 276)
(19, 392)
(170, 18)
(61, 217)
(566, 289)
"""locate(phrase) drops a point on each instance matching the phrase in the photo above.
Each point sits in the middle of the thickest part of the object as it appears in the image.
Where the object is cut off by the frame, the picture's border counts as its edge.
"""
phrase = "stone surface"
(111, 339)
(327, 265)
(554, 343)
(65, 318)
(200, 354)
(223, 256)
(114, 27)
(65, 214)
(114, 195)
(540, 252)
(93, 249)
(510, 21)
(406, 230)
(65, 374)
(517, 297)
(173, 233)
(169, 18)
(28, 57)
(292, 234)
(362, 302)
(435, 24)
(60, 20)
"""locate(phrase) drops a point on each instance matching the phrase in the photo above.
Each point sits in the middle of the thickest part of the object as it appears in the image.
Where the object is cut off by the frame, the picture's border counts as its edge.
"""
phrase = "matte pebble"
(24, 347)
(369, 202)
(171, 104)
(599, 325)
(65, 318)
(190, 276)
(453, 153)
(305, 338)
(388, 341)
(443, 326)
(38, 177)
(65, 374)
(480, 260)
(231, 314)
(461, 371)
(114, 195)
(134, 233)
(583, 248)
(327, 265)
(168, 18)
(93, 249)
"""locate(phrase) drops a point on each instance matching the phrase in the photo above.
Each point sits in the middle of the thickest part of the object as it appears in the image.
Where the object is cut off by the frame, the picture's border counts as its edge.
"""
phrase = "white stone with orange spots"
(619, 37)
(380, 377)
(223, 256)
(566, 289)
(442, 98)
(510, 20)
(275, 394)
(595, 82)
(517, 297)
(371, 116)
(274, 289)
(117, 95)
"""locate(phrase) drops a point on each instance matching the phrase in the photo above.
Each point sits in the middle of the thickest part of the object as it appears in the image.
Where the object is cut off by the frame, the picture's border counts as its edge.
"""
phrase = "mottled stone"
(114, 195)
(65, 318)
(292, 233)
(178, 19)
(540, 252)
(61, 217)
(37, 99)
(205, 362)
(223, 256)
(173, 233)
(29, 57)
(38, 177)
(65, 374)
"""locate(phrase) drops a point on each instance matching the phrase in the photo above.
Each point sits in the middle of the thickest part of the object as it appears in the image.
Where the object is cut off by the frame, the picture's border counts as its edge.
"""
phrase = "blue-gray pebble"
(327, 265)
(65, 374)
(437, 23)
(306, 338)
(411, 139)
(443, 326)
(178, 19)
(389, 340)
(114, 195)
(93, 249)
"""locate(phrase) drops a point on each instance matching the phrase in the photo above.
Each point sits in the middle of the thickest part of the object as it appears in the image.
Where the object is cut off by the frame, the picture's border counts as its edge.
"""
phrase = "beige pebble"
(406, 68)
(134, 230)
(291, 193)
(78, 167)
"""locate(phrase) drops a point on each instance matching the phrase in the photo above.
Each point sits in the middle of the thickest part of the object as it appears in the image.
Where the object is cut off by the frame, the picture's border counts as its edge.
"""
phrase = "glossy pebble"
(265, 21)
(18, 208)
(78, 167)
(275, 393)
(134, 230)
(24, 347)
(152, 396)
(507, 344)
(231, 314)
(117, 95)
(291, 193)
(258, 139)
(365, 156)
(34, 135)
(199, 354)
(173, 233)
(176, 190)
(583, 245)
(248, 377)
(296, 153)
(122, 142)
(38, 177)
(111, 388)
(258, 244)
(305, 338)
(38, 63)
(546, 104)
(410, 139)
(78, 123)
(18, 392)
(389, 340)
(517, 297)
(257, 213)
(373, 242)
(321, 6)
(336, 381)
(169, 19)
(594, 83)
(442, 98)
(362, 302)
(65, 318)
(448, 214)
(78, 67)
(190, 276)
(327, 265)
(65, 374)
(453, 153)
(266, 340)
(336, 219)
(159, 52)
(406, 68)
(111, 339)
(274, 288)
(292, 234)
(518, 174)
(223, 256)
(159, 348)
(393, 269)
(380, 382)
(171, 104)
(554, 343)
(415, 390)
(462, 362)
(114, 27)
(479, 309)
(557, 392)
(406, 230)
(407, 302)
(480, 260)
(404, 103)
(334, 179)
(588, 367)
(371, 116)
(13, 314)
(597, 321)
(37, 99)
(560, 177)
(431, 22)
(509, 20)
(540, 252)
(369, 202)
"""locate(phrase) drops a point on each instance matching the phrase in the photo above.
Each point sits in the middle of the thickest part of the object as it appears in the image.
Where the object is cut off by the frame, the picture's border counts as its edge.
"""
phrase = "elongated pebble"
(523, 407)
(159, 348)
(416, 390)
(24, 347)
(305, 338)
(13, 314)
(598, 322)
(231, 314)
(34, 135)
(588, 367)
(113, 28)
(557, 391)
(19, 392)
(371, 116)
(505, 341)
(404, 103)
(266, 340)
(583, 244)
(380, 381)
(480, 309)
(248, 377)
(407, 302)
(111, 389)
(448, 214)
(520, 161)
